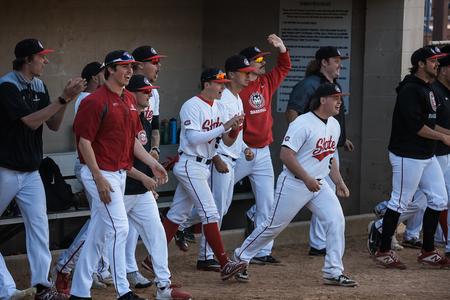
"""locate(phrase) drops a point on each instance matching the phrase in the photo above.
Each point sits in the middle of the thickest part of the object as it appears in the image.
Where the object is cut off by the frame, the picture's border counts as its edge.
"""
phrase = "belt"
(226, 155)
(199, 158)
(300, 179)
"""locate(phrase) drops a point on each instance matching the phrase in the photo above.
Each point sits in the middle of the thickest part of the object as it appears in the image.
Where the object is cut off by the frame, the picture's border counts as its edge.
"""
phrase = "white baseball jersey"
(229, 106)
(197, 114)
(153, 108)
(80, 98)
(315, 143)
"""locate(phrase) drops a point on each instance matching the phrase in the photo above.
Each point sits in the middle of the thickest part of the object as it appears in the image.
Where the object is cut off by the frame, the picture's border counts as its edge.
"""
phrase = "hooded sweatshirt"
(415, 107)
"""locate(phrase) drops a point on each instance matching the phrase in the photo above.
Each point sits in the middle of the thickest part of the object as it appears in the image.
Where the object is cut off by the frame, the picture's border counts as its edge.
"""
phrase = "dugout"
(194, 34)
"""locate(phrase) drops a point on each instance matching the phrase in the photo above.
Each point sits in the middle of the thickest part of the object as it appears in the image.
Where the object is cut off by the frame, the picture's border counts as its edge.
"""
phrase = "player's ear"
(421, 64)
(322, 100)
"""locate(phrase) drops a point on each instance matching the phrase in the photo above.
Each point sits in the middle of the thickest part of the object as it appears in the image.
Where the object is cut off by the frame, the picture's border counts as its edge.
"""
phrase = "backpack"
(58, 193)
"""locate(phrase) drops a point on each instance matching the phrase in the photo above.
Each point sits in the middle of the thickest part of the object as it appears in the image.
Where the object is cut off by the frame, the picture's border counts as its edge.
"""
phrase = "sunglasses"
(218, 76)
(259, 59)
(146, 92)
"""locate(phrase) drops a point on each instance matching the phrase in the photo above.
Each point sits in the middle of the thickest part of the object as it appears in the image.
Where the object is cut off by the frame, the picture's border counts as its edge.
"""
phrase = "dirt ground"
(299, 277)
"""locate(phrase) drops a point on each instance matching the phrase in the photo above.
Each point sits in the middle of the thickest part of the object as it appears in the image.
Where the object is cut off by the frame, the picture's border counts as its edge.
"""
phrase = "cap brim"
(221, 80)
(260, 54)
(158, 56)
(147, 88)
(124, 62)
(45, 51)
(344, 57)
(341, 94)
(247, 69)
(437, 56)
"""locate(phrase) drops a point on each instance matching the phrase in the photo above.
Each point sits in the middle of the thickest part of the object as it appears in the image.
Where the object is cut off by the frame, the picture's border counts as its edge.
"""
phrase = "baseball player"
(238, 69)
(93, 74)
(414, 166)
(24, 107)
(148, 63)
(307, 154)
(106, 126)
(257, 103)
(324, 68)
(141, 207)
(201, 127)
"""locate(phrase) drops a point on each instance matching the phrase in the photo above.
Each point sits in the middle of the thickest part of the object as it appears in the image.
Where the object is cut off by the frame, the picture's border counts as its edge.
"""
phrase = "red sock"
(170, 229)
(214, 239)
(443, 223)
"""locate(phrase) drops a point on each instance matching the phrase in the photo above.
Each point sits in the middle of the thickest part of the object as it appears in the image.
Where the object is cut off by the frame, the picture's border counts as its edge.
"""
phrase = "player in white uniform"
(238, 71)
(307, 154)
(93, 74)
(201, 129)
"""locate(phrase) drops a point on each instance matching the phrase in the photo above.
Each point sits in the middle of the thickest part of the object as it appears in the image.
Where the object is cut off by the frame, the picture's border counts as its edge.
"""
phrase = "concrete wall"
(388, 47)
(83, 31)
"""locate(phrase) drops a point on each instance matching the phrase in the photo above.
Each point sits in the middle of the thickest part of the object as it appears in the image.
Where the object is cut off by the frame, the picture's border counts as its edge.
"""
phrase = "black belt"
(300, 179)
(232, 159)
(199, 159)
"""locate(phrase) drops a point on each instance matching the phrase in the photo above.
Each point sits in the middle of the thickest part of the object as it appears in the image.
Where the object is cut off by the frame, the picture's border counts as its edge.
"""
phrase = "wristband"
(156, 149)
(62, 100)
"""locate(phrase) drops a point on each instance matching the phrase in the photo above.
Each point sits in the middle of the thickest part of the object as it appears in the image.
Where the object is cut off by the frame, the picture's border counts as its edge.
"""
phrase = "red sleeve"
(276, 76)
(88, 118)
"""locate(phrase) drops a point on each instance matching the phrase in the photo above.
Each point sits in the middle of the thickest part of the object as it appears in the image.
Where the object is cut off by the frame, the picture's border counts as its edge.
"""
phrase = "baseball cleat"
(374, 238)
(62, 282)
(130, 296)
(341, 280)
(413, 243)
(389, 260)
(262, 260)
(433, 259)
(208, 265)
(189, 236)
(96, 283)
(242, 276)
(50, 294)
(172, 292)
(231, 268)
(138, 281)
(23, 294)
(181, 242)
(317, 252)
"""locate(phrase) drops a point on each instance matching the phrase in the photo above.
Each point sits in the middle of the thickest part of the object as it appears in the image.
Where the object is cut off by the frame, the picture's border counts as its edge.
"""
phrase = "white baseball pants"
(143, 213)
(291, 195)
(29, 192)
(108, 228)
(260, 172)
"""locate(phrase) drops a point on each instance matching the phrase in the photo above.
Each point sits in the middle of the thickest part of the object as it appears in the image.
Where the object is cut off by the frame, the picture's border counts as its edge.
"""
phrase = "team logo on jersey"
(324, 147)
(148, 114)
(432, 101)
(187, 122)
(142, 136)
(287, 138)
(256, 100)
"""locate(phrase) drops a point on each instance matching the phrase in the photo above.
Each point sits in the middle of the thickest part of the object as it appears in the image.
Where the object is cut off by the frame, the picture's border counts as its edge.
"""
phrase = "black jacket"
(415, 107)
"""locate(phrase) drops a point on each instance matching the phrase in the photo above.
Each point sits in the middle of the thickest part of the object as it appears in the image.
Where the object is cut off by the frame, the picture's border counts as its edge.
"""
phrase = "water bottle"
(164, 132)
(173, 131)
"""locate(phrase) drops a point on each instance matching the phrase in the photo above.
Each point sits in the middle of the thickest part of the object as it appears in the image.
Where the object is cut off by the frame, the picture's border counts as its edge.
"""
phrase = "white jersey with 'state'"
(153, 108)
(315, 143)
(229, 106)
(199, 115)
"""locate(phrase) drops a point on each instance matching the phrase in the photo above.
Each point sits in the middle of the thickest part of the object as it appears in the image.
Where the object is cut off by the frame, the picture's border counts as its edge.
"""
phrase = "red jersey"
(110, 122)
(257, 102)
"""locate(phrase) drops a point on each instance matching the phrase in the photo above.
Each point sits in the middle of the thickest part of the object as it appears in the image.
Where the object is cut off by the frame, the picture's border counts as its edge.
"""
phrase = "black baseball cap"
(90, 70)
(140, 83)
(118, 57)
(238, 63)
(329, 89)
(327, 52)
(424, 53)
(146, 53)
(215, 75)
(29, 47)
(253, 52)
(446, 49)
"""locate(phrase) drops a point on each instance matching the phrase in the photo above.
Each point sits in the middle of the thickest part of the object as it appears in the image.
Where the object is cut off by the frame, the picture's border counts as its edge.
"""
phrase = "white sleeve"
(196, 137)
(155, 102)
(295, 137)
(191, 117)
